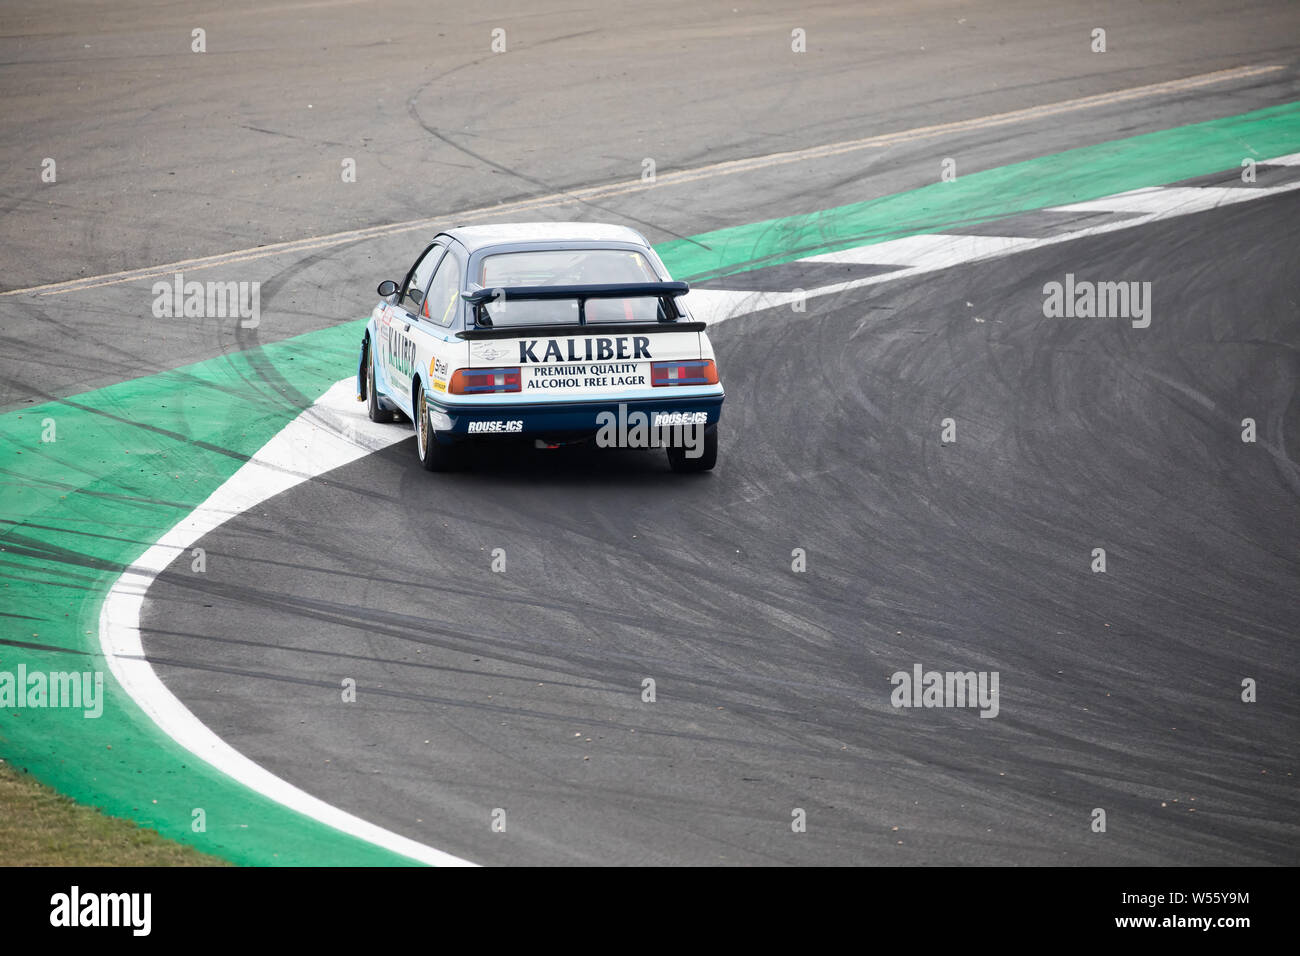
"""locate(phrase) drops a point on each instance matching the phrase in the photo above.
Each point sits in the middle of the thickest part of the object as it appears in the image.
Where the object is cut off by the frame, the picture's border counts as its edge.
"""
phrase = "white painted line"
(715, 305)
(933, 252)
(1175, 200)
(662, 180)
(920, 253)
(928, 251)
(332, 433)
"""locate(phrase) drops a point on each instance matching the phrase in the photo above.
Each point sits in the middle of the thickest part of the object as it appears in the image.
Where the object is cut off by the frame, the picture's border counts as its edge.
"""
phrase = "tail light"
(479, 381)
(690, 372)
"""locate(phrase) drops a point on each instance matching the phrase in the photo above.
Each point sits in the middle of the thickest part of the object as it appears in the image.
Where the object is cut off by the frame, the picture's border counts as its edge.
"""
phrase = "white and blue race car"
(558, 332)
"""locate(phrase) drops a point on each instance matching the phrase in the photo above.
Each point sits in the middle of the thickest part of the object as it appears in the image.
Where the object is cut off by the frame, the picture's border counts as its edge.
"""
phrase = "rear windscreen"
(564, 267)
(568, 267)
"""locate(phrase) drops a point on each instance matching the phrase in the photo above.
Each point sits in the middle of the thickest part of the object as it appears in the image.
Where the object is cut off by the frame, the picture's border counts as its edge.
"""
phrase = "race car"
(555, 332)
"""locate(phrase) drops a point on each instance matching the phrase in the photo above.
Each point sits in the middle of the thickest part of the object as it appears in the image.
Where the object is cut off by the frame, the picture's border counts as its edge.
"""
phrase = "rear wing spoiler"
(613, 290)
(668, 291)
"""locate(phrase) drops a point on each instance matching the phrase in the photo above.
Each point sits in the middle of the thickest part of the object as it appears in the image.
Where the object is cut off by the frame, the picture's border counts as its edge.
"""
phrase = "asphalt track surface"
(522, 690)
(136, 124)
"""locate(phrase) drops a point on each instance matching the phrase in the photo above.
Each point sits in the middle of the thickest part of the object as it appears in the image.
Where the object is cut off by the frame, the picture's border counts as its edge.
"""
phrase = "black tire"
(433, 454)
(375, 411)
(682, 464)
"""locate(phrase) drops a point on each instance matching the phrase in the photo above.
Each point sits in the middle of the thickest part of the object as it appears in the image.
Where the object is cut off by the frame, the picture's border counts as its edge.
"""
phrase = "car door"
(400, 352)
(442, 297)
(436, 344)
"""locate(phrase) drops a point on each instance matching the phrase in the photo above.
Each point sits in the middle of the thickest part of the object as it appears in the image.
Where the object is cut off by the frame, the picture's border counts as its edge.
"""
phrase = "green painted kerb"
(127, 463)
(132, 459)
(1090, 172)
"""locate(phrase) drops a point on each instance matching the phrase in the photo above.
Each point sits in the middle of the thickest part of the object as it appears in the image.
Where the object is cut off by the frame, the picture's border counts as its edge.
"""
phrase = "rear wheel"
(434, 455)
(374, 410)
(706, 456)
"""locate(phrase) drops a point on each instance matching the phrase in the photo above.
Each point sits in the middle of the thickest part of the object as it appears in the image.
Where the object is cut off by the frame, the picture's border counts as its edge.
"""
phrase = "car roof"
(474, 238)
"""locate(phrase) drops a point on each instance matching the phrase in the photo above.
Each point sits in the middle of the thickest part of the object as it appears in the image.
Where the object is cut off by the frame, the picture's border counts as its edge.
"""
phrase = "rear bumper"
(562, 418)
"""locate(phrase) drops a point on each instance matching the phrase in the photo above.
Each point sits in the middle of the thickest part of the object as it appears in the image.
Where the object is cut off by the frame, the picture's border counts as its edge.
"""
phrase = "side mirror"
(386, 288)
